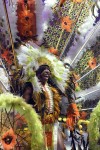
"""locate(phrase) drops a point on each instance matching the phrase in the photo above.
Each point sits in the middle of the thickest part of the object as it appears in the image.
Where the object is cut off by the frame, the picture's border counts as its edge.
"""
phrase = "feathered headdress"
(31, 58)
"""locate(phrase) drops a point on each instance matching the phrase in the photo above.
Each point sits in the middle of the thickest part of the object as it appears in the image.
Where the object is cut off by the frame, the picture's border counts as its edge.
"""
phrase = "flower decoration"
(77, 1)
(53, 51)
(26, 22)
(61, 2)
(27, 17)
(9, 140)
(66, 24)
(92, 63)
(7, 56)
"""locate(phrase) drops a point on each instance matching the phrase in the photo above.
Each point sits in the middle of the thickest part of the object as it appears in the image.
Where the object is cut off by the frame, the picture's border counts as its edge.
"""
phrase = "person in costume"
(27, 93)
(48, 106)
(50, 81)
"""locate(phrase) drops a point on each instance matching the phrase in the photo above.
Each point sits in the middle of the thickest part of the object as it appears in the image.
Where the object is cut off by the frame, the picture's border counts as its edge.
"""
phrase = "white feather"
(96, 11)
(39, 19)
(98, 3)
(50, 3)
(4, 81)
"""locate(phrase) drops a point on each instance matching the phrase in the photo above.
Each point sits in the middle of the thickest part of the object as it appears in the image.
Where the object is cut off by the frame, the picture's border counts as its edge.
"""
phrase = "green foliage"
(94, 128)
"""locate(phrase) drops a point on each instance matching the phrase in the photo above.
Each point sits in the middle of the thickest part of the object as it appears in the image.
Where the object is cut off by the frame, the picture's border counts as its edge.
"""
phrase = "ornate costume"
(48, 106)
(46, 77)
(36, 36)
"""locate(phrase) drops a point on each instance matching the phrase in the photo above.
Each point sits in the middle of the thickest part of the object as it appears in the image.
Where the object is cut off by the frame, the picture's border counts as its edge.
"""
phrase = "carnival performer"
(48, 105)
(50, 81)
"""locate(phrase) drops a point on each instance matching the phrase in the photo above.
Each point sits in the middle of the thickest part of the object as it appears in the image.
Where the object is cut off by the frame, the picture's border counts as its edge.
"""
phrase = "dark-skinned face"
(28, 94)
(45, 75)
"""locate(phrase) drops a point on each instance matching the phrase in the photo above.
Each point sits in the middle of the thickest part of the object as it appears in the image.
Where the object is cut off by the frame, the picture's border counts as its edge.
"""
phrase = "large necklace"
(49, 99)
(54, 111)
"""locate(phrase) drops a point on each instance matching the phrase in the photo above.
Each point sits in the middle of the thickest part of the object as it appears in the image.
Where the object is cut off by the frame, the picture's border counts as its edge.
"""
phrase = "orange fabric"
(48, 138)
(72, 115)
(72, 109)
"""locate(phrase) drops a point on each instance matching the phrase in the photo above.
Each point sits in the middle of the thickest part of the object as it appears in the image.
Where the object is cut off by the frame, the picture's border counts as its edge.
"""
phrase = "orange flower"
(61, 2)
(53, 51)
(9, 140)
(26, 23)
(27, 17)
(66, 23)
(92, 63)
(77, 1)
